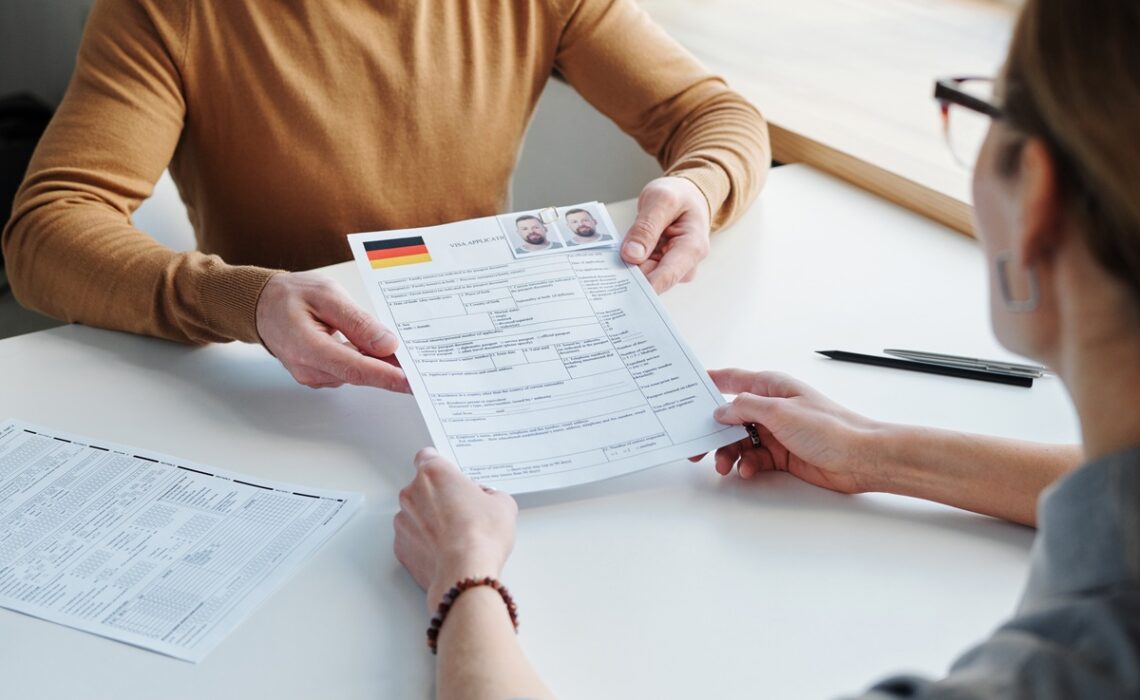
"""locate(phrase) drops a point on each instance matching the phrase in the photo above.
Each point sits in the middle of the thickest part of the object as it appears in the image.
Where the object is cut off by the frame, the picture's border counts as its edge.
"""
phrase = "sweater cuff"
(713, 184)
(229, 297)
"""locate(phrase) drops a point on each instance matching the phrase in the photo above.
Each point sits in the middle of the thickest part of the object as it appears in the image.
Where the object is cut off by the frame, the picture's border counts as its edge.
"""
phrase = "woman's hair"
(1072, 79)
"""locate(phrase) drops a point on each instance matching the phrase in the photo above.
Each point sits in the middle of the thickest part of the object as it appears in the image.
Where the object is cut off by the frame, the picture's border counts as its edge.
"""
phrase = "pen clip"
(934, 358)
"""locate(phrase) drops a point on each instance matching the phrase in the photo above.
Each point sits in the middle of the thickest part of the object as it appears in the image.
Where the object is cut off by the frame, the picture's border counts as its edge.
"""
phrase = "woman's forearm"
(479, 654)
(993, 476)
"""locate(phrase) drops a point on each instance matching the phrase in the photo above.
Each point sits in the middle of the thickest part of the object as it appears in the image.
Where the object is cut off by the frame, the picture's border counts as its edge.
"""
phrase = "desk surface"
(669, 583)
(847, 84)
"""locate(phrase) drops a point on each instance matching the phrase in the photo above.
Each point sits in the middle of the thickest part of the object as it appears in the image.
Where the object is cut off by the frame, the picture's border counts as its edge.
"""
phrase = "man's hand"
(298, 315)
(671, 234)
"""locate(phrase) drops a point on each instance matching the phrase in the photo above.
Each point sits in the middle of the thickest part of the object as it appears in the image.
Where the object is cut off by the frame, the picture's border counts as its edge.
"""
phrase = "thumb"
(748, 408)
(656, 210)
(337, 310)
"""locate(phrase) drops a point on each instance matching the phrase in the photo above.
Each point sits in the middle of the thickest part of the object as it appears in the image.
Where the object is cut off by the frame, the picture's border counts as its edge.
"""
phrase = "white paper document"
(538, 372)
(144, 548)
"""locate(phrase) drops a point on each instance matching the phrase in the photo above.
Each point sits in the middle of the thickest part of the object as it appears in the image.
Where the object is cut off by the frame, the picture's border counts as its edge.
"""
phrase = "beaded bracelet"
(449, 600)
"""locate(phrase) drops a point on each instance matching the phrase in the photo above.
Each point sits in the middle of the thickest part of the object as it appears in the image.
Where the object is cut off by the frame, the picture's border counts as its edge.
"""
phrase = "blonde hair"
(1072, 79)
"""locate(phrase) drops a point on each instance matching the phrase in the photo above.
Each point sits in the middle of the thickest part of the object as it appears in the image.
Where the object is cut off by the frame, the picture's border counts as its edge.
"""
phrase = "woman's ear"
(1042, 219)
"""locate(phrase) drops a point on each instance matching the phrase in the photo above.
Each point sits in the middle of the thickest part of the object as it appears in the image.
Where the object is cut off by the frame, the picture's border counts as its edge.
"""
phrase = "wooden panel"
(791, 147)
(848, 84)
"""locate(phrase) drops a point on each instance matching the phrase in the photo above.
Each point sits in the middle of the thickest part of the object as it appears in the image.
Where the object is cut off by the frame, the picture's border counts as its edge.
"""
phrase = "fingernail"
(719, 411)
(635, 250)
(383, 343)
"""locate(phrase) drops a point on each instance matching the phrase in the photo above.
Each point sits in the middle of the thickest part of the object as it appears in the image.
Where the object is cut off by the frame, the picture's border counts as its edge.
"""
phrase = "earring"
(1001, 264)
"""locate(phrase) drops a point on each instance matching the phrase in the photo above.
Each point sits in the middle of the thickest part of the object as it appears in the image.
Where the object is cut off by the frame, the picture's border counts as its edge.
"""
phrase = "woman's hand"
(449, 527)
(801, 432)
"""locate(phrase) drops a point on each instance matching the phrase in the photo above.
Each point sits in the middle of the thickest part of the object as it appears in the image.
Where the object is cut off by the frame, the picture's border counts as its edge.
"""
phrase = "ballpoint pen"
(930, 368)
(1024, 370)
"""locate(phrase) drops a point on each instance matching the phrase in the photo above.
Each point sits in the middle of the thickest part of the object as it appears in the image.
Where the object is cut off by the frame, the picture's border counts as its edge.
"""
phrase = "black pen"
(964, 373)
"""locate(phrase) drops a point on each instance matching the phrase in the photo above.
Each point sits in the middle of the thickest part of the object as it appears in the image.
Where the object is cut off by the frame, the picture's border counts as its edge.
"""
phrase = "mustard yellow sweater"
(288, 124)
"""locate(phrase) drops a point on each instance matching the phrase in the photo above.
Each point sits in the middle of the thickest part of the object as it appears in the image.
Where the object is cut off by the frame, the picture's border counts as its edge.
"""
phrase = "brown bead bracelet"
(449, 600)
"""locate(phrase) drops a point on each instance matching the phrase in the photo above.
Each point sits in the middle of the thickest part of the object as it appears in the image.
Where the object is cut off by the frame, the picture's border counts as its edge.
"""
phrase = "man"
(583, 228)
(288, 125)
(534, 235)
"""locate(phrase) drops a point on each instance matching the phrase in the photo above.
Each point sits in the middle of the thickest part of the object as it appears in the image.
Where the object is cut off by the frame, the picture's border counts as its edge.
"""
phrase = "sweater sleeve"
(70, 247)
(628, 68)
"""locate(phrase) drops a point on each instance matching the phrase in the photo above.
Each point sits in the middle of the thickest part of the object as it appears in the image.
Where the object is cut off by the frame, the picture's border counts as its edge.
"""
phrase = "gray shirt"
(1076, 633)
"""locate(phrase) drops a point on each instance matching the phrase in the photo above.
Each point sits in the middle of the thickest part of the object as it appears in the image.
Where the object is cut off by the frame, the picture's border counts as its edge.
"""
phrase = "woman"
(1057, 198)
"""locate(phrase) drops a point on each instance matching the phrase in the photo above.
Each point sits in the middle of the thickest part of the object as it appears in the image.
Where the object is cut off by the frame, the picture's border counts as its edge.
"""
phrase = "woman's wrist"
(890, 464)
(468, 589)
(920, 462)
(451, 571)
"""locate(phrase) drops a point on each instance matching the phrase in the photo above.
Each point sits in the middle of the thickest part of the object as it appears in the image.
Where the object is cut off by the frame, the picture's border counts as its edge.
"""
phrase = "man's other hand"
(299, 315)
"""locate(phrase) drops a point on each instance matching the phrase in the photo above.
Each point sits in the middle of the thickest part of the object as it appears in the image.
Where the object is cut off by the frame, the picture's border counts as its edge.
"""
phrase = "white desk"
(671, 583)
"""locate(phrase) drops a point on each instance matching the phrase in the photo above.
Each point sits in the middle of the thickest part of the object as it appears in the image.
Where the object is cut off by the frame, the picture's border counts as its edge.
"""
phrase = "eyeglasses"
(967, 110)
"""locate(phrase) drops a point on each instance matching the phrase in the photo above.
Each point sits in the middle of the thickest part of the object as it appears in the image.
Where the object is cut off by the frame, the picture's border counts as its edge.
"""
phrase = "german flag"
(397, 251)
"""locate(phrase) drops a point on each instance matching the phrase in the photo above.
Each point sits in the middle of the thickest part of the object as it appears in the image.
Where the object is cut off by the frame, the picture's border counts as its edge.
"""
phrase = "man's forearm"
(723, 148)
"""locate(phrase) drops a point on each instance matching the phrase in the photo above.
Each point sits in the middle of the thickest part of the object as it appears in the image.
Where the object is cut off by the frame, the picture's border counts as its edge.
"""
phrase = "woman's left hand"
(449, 527)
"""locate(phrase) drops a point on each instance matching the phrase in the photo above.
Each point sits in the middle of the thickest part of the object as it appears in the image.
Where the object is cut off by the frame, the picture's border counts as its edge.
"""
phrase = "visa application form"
(543, 371)
(144, 548)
